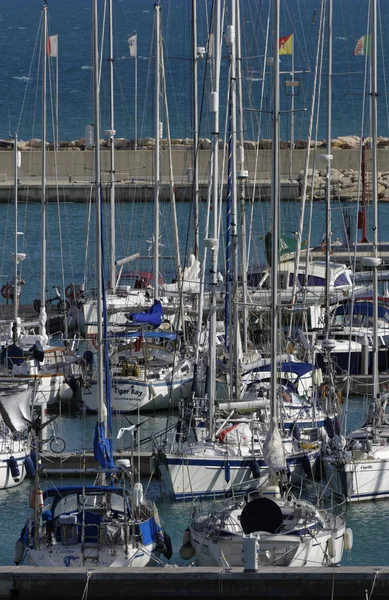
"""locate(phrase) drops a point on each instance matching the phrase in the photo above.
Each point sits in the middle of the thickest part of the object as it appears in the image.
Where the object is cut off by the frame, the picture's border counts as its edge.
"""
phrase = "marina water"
(134, 224)
(367, 520)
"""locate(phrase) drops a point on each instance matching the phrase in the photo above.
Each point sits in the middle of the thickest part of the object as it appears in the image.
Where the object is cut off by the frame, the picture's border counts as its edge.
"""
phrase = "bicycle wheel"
(57, 444)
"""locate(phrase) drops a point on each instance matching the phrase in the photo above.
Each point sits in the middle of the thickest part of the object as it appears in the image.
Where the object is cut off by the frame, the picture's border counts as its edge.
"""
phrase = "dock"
(73, 463)
(342, 583)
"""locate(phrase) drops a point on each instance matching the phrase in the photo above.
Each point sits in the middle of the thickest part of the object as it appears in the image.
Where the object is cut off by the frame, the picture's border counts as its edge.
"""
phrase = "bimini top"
(299, 368)
(363, 308)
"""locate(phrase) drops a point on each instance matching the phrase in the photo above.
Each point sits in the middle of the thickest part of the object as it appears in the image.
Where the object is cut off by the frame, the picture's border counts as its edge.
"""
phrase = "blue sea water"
(20, 105)
(73, 260)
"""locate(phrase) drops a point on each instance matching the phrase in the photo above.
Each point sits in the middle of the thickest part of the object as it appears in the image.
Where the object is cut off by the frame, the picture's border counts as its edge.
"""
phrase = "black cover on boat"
(261, 514)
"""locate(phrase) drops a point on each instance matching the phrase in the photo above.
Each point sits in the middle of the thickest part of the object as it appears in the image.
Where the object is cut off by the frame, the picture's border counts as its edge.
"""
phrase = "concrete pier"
(344, 583)
(70, 173)
(73, 463)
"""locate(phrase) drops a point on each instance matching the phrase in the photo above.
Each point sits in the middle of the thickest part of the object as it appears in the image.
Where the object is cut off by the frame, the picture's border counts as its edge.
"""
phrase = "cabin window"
(341, 280)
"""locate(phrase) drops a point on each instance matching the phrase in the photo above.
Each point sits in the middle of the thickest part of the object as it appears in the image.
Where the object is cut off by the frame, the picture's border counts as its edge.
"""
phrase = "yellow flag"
(286, 44)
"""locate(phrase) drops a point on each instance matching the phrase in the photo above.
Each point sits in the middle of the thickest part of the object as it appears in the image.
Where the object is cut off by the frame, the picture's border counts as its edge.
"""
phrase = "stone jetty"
(70, 169)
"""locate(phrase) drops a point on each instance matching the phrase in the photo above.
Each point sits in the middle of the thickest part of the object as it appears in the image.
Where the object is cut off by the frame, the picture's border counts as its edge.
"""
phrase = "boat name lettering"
(132, 391)
(364, 467)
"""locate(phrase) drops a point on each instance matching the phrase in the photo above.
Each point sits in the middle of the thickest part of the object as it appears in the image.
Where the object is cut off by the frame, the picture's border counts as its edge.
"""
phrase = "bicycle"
(56, 302)
(56, 443)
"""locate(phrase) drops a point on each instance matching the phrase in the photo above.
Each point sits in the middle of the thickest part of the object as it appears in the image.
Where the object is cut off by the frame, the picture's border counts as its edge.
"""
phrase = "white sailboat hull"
(129, 394)
(187, 476)
(60, 555)
(273, 550)
(359, 478)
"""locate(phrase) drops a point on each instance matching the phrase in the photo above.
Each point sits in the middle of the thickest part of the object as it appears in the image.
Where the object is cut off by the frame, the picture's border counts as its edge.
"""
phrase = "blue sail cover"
(298, 368)
(363, 308)
(152, 316)
(102, 448)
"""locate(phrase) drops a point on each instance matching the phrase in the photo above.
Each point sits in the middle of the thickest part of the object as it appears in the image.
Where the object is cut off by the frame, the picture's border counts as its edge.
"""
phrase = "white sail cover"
(273, 450)
(15, 408)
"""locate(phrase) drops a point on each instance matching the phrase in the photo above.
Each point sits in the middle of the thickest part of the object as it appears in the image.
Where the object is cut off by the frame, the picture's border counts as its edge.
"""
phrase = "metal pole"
(374, 177)
(102, 418)
(292, 117)
(16, 297)
(195, 183)
(112, 152)
(275, 207)
(157, 9)
(42, 318)
(214, 245)
(328, 171)
(56, 102)
(136, 97)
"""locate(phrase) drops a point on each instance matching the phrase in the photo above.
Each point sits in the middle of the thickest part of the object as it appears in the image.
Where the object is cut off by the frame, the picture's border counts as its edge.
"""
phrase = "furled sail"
(273, 450)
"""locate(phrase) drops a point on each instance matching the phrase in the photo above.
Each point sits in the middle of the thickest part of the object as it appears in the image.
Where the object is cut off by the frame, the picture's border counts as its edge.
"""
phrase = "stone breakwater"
(341, 143)
(345, 184)
(73, 164)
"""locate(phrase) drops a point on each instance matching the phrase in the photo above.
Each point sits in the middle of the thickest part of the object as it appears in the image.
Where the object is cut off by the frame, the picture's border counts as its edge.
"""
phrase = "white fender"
(348, 539)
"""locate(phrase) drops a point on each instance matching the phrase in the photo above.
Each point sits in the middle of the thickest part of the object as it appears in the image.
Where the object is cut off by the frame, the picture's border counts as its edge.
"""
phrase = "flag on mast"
(286, 44)
(52, 46)
(363, 46)
(132, 45)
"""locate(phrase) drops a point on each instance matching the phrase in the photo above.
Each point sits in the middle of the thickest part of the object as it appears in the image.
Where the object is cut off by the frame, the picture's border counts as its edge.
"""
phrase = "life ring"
(5, 291)
(69, 292)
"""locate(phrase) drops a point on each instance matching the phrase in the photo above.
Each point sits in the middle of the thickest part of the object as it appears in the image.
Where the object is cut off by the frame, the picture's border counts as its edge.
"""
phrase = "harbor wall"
(138, 165)
(69, 173)
(344, 583)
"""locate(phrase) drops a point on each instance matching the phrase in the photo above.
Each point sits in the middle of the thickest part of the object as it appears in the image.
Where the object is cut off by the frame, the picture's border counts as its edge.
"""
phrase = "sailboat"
(358, 466)
(146, 375)
(224, 460)
(28, 357)
(106, 524)
(286, 530)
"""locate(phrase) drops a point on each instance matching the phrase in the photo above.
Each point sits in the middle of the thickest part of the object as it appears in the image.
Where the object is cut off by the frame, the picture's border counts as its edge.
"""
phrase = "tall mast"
(213, 241)
(275, 208)
(42, 316)
(112, 151)
(328, 171)
(99, 278)
(157, 14)
(16, 296)
(374, 176)
(195, 183)
(234, 334)
(242, 174)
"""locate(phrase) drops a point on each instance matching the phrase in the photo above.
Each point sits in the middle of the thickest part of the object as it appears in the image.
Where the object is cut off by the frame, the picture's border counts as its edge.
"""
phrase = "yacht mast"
(374, 176)
(42, 315)
(16, 296)
(111, 134)
(157, 14)
(234, 340)
(195, 183)
(242, 175)
(275, 209)
(212, 242)
(99, 279)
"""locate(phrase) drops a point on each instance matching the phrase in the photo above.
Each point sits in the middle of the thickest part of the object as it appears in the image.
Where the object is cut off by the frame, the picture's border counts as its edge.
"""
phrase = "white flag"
(52, 46)
(132, 42)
